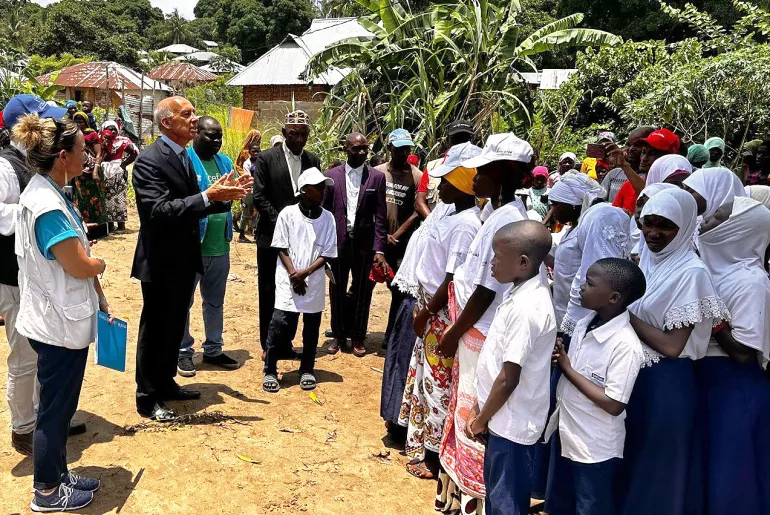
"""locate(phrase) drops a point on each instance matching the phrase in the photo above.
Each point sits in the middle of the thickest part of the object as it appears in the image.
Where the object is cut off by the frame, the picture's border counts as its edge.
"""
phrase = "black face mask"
(356, 160)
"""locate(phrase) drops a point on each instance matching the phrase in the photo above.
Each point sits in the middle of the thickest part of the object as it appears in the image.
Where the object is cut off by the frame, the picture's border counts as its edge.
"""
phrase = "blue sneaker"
(85, 484)
(63, 498)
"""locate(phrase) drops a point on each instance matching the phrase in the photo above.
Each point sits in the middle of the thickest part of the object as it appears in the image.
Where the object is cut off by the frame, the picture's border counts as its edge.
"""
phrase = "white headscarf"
(760, 194)
(680, 291)
(110, 124)
(667, 165)
(719, 186)
(734, 252)
(406, 277)
(634, 231)
(652, 189)
(570, 155)
(577, 190)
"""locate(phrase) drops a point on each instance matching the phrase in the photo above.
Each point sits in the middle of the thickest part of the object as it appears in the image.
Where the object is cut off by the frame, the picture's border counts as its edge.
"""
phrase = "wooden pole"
(141, 111)
(152, 125)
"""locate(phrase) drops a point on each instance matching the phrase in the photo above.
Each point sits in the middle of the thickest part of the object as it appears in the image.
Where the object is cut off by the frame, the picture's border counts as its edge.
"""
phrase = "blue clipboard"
(111, 339)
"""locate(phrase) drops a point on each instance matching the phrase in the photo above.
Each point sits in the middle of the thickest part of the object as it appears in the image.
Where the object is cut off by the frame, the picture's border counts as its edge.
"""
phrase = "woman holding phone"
(60, 294)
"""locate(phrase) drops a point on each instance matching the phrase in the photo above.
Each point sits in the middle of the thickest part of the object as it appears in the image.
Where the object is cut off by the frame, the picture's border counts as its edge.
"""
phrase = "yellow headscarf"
(462, 179)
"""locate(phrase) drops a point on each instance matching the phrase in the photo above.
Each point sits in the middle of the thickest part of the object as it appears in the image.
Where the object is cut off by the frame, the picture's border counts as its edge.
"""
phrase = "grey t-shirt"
(612, 182)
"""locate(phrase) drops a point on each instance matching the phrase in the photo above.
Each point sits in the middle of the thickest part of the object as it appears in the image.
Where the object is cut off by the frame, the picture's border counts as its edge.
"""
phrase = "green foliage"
(456, 60)
(211, 98)
(22, 82)
(255, 26)
(39, 65)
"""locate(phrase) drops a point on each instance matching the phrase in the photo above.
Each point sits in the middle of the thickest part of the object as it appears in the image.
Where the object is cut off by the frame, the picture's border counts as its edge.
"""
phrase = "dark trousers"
(283, 328)
(60, 372)
(266, 262)
(507, 476)
(350, 315)
(580, 488)
(161, 329)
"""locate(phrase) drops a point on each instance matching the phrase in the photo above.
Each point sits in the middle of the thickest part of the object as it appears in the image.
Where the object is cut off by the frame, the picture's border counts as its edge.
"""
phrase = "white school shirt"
(353, 177)
(447, 248)
(610, 356)
(306, 240)
(523, 332)
(477, 268)
(566, 264)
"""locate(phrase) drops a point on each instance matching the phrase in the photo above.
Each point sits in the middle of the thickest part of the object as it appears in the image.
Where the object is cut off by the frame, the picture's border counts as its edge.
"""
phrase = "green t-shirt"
(215, 242)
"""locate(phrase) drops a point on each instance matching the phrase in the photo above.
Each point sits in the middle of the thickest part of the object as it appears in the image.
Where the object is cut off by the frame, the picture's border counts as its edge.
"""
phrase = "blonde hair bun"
(29, 130)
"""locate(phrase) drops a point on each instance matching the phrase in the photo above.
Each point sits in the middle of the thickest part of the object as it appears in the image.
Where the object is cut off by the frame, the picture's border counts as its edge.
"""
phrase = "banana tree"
(458, 59)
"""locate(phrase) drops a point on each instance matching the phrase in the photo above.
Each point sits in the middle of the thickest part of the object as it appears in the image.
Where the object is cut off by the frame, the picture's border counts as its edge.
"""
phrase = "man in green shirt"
(216, 233)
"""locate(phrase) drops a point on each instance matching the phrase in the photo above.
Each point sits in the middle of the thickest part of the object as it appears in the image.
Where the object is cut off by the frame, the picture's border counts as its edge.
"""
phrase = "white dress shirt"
(523, 332)
(610, 356)
(295, 165)
(353, 177)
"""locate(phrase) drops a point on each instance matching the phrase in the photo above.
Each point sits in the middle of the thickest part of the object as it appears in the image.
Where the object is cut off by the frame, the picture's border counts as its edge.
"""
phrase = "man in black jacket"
(168, 254)
(275, 186)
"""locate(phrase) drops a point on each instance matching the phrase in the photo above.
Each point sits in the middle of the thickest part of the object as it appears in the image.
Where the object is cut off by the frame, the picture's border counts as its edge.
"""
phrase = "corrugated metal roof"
(178, 49)
(221, 67)
(210, 44)
(176, 71)
(197, 56)
(284, 63)
(94, 75)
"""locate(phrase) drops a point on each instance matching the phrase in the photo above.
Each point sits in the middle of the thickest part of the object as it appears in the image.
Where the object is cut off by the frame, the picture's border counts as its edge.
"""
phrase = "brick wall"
(252, 95)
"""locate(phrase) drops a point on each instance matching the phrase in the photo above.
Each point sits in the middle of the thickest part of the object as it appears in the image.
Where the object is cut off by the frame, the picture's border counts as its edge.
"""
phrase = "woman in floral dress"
(88, 188)
(118, 153)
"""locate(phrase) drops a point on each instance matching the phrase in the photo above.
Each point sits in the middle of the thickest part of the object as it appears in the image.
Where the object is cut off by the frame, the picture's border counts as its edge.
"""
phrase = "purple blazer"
(371, 226)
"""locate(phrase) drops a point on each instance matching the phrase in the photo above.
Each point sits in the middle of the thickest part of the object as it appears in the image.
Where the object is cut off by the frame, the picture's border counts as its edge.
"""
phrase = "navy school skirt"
(400, 346)
(734, 414)
(655, 476)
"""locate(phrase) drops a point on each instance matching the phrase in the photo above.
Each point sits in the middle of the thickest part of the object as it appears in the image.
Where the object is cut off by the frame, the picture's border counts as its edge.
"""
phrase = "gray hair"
(160, 114)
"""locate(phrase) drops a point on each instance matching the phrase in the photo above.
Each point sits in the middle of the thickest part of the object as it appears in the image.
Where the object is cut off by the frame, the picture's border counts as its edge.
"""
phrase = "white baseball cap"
(455, 158)
(312, 176)
(502, 147)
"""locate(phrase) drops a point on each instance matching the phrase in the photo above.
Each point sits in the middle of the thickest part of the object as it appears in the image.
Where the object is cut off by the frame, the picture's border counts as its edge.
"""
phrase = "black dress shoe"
(159, 413)
(76, 428)
(181, 394)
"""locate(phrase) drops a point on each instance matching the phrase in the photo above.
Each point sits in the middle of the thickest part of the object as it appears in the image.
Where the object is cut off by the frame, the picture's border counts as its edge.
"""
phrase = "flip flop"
(307, 382)
(270, 384)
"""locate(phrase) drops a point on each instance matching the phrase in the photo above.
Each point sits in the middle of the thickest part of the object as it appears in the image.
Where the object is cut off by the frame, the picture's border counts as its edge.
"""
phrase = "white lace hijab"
(665, 166)
(734, 252)
(680, 290)
(406, 277)
(719, 186)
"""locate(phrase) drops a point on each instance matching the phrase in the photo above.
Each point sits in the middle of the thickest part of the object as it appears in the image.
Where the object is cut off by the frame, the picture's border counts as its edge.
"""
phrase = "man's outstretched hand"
(227, 188)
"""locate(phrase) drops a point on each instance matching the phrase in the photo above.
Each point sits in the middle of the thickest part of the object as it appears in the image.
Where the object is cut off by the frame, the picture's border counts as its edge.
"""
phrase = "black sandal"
(307, 382)
(270, 384)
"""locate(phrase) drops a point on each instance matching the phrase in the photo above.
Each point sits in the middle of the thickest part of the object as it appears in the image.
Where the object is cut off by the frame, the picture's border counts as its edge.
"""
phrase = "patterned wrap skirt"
(426, 395)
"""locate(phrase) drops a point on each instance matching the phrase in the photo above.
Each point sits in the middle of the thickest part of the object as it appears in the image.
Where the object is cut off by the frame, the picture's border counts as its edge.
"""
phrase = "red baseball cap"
(663, 140)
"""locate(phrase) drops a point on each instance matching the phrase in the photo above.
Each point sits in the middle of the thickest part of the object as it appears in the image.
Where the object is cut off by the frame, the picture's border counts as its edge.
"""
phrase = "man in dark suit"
(275, 187)
(357, 201)
(168, 254)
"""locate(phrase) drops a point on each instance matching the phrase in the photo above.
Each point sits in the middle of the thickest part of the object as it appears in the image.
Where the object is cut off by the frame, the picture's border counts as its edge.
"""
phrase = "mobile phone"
(595, 150)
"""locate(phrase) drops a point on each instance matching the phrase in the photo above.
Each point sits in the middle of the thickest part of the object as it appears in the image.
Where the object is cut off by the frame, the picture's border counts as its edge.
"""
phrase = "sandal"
(270, 384)
(420, 470)
(307, 382)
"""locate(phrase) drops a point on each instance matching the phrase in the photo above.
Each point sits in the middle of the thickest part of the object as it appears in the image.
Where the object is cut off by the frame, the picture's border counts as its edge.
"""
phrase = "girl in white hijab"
(674, 321)
(635, 230)
(712, 188)
(735, 395)
(672, 169)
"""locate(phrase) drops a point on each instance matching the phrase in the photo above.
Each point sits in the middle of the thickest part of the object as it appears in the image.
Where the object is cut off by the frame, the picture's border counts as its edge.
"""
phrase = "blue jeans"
(580, 488)
(507, 476)
(213, 285)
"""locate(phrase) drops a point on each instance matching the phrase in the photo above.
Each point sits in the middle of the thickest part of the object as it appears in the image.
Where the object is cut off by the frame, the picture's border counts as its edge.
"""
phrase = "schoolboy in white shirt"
(598, 376)
(305, 236)
(514, 367)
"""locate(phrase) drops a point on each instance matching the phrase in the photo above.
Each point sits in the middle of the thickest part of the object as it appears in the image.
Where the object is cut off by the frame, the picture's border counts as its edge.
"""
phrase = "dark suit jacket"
(170, 205)
(371, 225)
(273, 190)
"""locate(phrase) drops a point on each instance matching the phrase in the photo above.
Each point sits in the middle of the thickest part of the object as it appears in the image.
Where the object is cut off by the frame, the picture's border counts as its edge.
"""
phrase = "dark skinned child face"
(596, 292)
(699, 200)
(509, 264)
(254, 151)
(658, 232)
(312, 195)
(448, 193)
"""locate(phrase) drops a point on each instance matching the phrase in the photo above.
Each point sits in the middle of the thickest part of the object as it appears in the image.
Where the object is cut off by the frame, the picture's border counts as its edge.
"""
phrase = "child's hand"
(420, 321)
(560, 357)
(449, 342)
(473, 428)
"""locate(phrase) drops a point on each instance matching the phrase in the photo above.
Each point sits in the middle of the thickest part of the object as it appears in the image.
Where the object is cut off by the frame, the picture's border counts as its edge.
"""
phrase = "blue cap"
(22, 105)
(400, 138)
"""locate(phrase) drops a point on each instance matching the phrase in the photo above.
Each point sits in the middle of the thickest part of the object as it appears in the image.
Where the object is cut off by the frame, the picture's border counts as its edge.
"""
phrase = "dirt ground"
(242, 450)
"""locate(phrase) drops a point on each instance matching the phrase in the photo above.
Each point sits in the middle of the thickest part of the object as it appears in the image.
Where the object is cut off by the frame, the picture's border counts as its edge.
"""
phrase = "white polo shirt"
(477, 268)
(523, 332)
(610, 356)
(447, 247)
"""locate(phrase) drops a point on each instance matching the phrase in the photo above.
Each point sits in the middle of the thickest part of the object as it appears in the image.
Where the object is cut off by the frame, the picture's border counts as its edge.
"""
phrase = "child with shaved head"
(514, 367)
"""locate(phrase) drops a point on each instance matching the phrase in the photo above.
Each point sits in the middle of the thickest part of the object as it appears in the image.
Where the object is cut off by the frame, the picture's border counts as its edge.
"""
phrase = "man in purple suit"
(357, 201)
